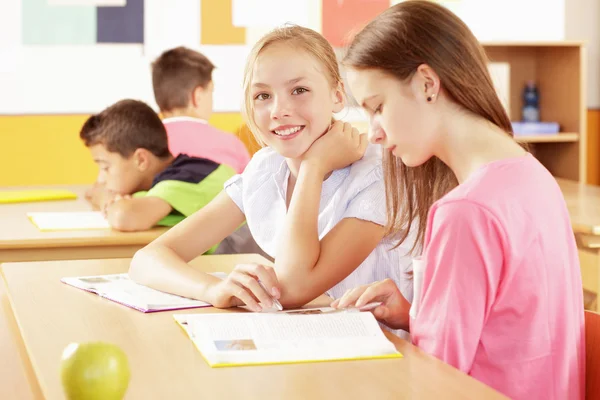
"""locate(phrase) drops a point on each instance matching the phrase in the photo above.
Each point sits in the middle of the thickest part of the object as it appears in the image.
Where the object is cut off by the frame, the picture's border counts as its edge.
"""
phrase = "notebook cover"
(25, 196)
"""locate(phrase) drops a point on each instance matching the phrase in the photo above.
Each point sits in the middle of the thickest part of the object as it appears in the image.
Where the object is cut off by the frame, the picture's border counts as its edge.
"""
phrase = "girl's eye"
(261, 96)
(299, 90)
(378, 109)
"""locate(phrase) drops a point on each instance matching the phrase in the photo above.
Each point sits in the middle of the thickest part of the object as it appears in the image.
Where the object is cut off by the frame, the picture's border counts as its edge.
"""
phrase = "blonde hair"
(304, 38)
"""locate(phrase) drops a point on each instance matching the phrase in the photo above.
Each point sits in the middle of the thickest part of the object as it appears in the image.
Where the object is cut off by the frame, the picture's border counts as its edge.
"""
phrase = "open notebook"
(298, 336)
(24, 196)
(119, 288)
(63, 221)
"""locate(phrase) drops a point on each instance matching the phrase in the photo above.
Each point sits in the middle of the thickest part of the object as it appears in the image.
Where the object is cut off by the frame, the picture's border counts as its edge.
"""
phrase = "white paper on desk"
(64, 221)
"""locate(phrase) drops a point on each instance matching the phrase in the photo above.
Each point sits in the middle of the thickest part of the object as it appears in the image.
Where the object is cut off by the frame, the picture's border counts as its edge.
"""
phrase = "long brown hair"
(398, 41)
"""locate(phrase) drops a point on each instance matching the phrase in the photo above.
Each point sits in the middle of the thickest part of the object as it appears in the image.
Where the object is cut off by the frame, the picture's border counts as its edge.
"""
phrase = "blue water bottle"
(531, 103)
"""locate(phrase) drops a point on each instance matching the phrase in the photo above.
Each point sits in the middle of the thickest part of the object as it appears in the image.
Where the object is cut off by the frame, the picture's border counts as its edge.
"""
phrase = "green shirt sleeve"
(187, 198)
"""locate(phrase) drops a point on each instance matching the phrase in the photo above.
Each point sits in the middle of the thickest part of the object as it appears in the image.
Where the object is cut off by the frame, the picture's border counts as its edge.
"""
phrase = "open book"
(61, 221)
(235, 339)
(119, 288)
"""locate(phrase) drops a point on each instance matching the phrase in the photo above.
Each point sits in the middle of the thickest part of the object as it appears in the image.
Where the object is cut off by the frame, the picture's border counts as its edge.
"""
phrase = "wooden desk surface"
(583, 202)
(165, 363)
(17, 379)
(20, 240)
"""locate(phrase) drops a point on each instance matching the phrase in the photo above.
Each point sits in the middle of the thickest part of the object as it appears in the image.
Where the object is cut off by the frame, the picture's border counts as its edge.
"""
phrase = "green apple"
(94, 371)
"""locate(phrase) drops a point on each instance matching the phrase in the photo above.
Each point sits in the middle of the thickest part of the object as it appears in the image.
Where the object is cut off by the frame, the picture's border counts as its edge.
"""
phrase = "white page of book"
(60, 221)
(120, 288)
(283, 337)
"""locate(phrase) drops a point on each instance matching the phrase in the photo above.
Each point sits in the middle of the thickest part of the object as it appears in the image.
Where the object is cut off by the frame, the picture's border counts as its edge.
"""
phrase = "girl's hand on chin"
(339, 147)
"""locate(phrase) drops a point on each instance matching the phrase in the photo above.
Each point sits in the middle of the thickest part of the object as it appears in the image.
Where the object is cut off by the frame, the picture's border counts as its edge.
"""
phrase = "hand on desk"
(99, 196)
(112, 200)
(394, 309)
(247, 284)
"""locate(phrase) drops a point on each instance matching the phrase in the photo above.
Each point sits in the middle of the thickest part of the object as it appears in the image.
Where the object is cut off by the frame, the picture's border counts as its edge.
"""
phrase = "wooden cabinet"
(558, 69)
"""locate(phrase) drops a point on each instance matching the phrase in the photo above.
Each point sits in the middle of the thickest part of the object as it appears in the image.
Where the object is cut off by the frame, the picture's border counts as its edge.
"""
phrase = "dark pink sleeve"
(463, 264)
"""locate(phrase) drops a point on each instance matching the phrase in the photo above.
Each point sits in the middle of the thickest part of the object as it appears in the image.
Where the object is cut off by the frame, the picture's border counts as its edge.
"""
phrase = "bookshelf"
(558, 70)
(562, 137)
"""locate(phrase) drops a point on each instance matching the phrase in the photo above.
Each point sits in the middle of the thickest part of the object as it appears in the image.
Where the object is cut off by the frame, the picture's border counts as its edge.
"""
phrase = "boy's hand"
(242, 286)
(339, 147)
(394, 308)
(112, 200)
(93, 191)
(98, 195)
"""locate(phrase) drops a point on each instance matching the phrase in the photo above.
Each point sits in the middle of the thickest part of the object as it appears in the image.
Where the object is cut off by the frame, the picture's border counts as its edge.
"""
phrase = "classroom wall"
(51, 79)
(582, 22)
(45, 149)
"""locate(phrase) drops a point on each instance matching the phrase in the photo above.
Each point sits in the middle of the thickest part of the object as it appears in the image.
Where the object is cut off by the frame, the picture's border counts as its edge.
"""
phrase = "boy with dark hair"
(183, 89)
(144, 184)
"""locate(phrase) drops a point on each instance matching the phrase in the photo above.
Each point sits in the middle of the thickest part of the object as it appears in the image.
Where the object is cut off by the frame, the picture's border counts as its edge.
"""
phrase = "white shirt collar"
(330, 185)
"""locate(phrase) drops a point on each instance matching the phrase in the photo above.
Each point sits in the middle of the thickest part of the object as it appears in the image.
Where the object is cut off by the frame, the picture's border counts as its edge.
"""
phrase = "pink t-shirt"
(195, 137)
(502, 295)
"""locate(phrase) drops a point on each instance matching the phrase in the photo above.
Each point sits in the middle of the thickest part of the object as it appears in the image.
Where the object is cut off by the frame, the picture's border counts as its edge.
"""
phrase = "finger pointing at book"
(248, 284)
(394, 308)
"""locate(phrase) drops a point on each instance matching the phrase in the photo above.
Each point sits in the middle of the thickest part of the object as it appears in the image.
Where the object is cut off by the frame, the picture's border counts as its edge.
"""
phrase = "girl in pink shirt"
(498, 291)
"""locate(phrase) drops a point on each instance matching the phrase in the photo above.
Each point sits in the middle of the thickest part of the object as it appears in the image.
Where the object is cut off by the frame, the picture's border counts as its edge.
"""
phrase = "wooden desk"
(583, 202)
(165, 363)
(20, 240)
(17, 379)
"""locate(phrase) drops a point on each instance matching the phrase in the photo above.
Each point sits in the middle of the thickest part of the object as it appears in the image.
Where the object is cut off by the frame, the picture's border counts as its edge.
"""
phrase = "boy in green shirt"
(144, 185)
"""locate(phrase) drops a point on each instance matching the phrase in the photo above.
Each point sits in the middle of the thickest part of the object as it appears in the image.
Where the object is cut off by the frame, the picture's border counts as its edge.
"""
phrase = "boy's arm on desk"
(137, 214)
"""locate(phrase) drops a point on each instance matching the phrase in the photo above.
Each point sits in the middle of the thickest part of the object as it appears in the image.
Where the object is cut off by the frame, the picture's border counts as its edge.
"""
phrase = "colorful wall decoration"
(342, 19)
(78, 56)
(61, 60)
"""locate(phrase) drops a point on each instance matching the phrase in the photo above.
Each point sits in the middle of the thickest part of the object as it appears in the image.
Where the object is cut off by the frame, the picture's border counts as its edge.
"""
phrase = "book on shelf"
(535, 128)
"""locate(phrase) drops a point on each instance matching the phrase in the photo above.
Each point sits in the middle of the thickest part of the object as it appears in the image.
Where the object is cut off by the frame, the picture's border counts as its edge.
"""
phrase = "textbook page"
(271, 338)
(121, 289)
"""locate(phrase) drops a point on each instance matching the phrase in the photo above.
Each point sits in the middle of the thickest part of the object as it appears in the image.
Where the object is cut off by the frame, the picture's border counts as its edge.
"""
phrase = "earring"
(429, 98)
